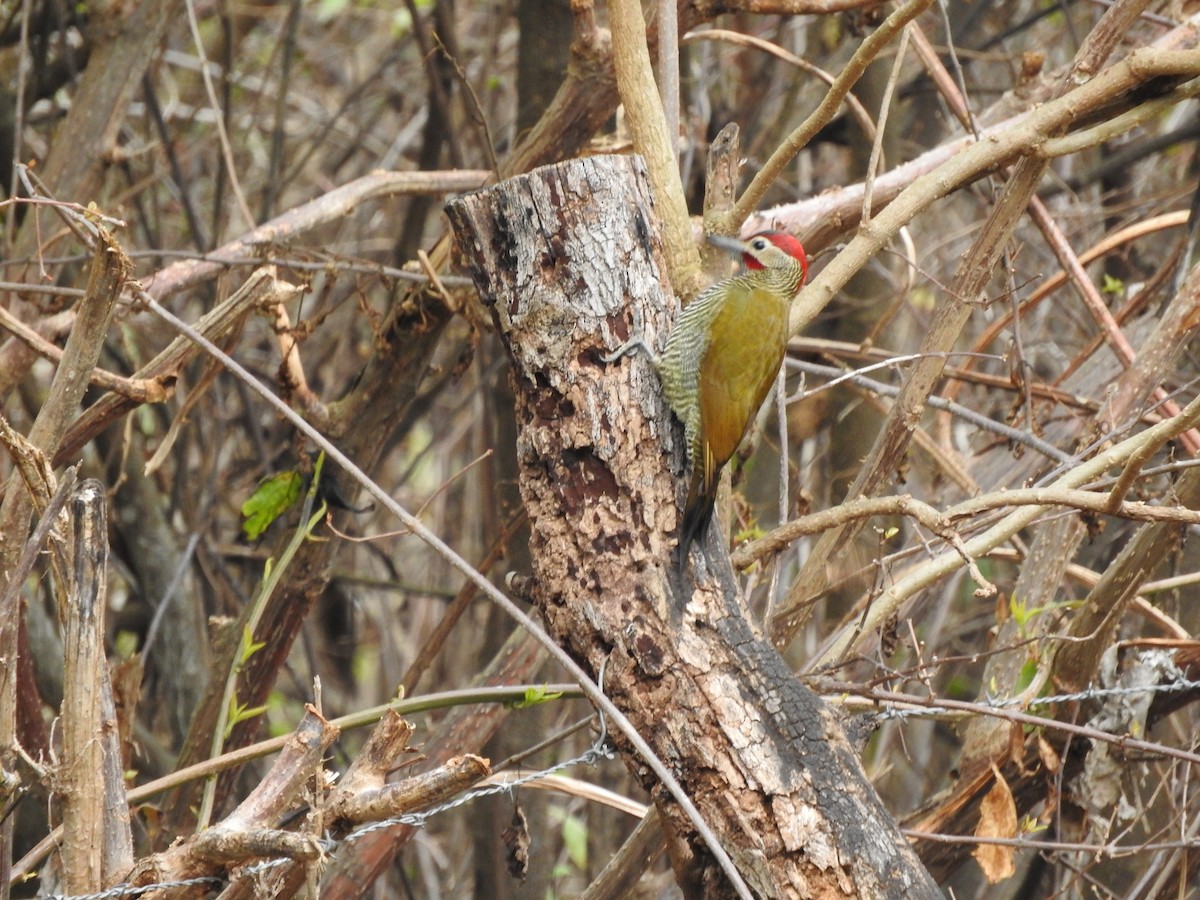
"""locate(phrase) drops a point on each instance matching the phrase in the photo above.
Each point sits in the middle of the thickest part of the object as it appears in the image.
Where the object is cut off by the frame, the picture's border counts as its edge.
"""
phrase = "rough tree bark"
(569, 261)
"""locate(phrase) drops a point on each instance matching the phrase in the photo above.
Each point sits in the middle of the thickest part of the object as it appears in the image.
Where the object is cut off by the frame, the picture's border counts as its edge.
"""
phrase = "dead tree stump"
(568, 260)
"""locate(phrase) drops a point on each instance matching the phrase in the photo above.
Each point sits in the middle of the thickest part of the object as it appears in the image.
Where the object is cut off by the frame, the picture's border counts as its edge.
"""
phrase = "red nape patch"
(784, 241)
(788, 245)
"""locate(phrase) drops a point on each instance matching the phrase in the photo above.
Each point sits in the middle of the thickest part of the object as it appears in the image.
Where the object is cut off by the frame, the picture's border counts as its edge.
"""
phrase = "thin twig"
(885, 106)
(218, 116)
(931, 571)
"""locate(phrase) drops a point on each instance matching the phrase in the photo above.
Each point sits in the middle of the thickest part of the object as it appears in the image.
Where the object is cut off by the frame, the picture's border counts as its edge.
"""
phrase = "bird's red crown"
(781, 239)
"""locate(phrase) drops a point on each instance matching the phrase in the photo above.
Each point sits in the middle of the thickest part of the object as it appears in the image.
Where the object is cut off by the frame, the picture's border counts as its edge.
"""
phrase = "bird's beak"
(728, 244)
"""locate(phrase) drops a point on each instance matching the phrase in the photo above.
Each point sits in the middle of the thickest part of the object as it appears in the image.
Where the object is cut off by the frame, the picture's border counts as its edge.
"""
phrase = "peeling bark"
(569, 261)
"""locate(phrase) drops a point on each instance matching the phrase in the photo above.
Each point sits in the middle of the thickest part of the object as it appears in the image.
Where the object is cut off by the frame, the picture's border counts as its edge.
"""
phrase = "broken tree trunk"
(569, 261)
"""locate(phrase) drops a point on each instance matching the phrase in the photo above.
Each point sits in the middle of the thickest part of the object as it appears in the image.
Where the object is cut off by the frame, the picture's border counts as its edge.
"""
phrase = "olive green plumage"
(721, 360)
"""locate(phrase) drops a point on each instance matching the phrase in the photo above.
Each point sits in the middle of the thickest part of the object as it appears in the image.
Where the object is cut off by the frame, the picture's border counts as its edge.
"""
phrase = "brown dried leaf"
(1016, 746)
(1049, 758)
(997, 819)
(516, 841)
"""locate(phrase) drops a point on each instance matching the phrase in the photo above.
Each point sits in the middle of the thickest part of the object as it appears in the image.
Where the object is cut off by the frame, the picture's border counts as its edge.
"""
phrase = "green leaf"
(749, 533)
(1026, 676)
(1030, 825)
(1019, 611)
(272, 498)
(329, 9)
(534, 696)
(125, 644)
(1112, 285)
(240, 713)
(921, 299)
(249, 647)
(574, 833)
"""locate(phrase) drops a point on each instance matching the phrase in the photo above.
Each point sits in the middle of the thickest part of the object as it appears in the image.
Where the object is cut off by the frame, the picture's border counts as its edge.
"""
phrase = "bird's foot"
(628, 347)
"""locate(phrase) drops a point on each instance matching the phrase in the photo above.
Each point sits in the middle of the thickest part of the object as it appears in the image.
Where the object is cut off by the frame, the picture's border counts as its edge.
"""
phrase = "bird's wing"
(735, 376)
(737, 372)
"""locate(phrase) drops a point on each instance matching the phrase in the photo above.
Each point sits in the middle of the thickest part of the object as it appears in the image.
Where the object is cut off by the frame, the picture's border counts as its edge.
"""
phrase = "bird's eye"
(759, 243)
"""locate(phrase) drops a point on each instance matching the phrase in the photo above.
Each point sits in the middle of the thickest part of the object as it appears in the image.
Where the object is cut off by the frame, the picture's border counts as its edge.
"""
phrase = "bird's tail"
(697, 513)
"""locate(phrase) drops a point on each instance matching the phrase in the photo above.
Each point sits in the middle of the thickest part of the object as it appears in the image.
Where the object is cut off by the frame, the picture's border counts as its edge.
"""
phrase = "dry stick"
(118, 54)
(231, 170)
(24, 67)
(837, 350)
(47, 521)
(853, 104)
(1132, 306)
(246, 829)
(651, 138)
(1099, 311)
(166, 446)
(474, 109)
(1112, 128)
(247, 248)
(274, 174)
(226, 842)
(795, 7)
(946, 84)
(969, 282)
(98, 845)
(288, 226)
(1099, 851)
(885, 107)
(622, 872)
(857, 377)
(110, 268)
(261, 287)
(516, 661)
(668, 70)
(454, 611)
(1025, 719)
(1089, 578)
(1054, 282)
(291, 369)
(594, 693)
(438, 96)
(973, 158)
(796, 141)
(139, 390)
(360, 719)
(424, 790)
(832, 213)
(946, 460)
(927, 573)
(1053, 147)
(949, 89)
(942, 522)
(1105, 604)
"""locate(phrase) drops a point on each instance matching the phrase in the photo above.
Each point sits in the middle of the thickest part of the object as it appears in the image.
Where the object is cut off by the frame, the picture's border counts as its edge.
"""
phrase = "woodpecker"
(721, 360)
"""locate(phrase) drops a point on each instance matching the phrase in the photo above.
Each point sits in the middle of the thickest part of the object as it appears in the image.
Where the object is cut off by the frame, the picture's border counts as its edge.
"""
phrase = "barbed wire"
(602, 748)
(599, 750)
(125, 890)
(894, 710)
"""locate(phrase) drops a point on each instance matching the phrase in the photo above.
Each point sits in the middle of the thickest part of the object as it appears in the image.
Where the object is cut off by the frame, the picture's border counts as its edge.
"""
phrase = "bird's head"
(767, 250)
